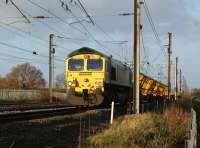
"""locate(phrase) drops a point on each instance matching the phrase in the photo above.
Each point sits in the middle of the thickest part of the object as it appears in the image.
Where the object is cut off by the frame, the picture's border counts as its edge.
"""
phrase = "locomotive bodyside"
(118, 81)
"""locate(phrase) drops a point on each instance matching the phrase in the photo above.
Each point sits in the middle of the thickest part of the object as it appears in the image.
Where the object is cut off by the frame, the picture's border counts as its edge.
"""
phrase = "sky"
(111, 34)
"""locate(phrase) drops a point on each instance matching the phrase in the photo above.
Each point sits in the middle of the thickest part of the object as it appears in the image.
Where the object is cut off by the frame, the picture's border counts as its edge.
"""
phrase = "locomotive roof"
(86, 50)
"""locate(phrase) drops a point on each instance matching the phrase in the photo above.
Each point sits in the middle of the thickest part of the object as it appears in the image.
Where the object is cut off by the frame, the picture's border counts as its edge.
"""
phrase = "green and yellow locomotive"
(93, 78)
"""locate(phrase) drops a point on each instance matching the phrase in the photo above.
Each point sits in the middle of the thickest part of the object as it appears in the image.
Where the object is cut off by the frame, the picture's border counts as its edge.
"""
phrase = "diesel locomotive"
(93, 78)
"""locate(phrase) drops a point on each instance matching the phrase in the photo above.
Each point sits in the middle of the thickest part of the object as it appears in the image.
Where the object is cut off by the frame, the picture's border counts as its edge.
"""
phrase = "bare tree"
(3, 82)
(25, 76)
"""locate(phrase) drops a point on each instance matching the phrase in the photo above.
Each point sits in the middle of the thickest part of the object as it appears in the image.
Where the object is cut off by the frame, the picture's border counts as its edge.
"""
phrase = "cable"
(27, 33)
(145, 53)
(101, 29)
(19, 11)
(51, 28)
(24, 61)
(20, 58)
(147, 12)
(60, 19)
(18, 48)
(156, 36)
(51, 13)
(143, 45)
(85, 11)
(18, 29)
(86, 40)
(91, 35)
(58, 32)
(25, 50)
(47, 17)
(20, 35)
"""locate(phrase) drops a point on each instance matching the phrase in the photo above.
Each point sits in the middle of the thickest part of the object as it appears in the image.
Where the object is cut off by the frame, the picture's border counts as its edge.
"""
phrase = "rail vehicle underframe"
(111, 92)
(151, 92)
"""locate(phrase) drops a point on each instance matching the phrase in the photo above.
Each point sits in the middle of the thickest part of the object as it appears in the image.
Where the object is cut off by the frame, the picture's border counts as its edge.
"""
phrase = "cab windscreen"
(94, 64)
(76, 64)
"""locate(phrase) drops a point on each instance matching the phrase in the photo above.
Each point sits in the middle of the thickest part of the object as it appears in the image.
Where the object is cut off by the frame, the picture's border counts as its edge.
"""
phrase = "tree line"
(27, 76)
(23, 76)
(196, 91)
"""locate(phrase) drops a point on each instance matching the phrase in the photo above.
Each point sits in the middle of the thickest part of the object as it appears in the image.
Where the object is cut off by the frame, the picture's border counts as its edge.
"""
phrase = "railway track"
(12, 116)
(30, 106)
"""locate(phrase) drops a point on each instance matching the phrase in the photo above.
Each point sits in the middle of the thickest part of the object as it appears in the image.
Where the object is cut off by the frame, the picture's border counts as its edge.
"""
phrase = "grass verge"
(149, 130)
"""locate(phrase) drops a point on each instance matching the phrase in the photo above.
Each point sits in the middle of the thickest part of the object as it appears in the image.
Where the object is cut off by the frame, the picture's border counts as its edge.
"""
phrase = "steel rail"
(13, 116)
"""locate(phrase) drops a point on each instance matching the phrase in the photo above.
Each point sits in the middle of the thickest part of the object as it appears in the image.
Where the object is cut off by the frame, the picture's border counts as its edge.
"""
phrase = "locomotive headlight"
(70, 83)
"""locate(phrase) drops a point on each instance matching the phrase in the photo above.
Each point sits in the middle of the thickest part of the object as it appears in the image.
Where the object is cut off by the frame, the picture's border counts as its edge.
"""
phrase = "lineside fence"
(29, 95)
(191, 141)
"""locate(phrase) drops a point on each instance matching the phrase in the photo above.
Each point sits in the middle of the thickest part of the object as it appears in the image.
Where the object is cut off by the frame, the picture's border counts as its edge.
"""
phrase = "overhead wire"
(96, 24)
(21, 30)
(43, 43)
(16, 47)
(85, 11)
(63, 21)
(63, 36)
(5, 27)
(48, 17)
(152, 24)
(46, 24)
(104, 32)
(155, 33)
(11, 59)
(92, 36)
(98, 42)
(17, 7)
(20, 58)
(24, 50)
(51, 28)
(84, 40)
(56, 16)
(146, 58)
(22, 36)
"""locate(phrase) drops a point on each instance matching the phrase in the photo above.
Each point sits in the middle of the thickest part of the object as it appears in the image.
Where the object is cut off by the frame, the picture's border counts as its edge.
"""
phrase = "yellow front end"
(85, 72)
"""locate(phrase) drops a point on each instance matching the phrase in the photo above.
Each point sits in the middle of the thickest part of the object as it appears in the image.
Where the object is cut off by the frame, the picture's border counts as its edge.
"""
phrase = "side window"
(113, 74)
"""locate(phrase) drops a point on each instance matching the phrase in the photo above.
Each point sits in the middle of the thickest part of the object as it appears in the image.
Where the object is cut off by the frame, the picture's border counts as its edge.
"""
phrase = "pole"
(136, 73)
(183, 86)
(112, 112)
(169, 65)
(50, 66)
(177, 77)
